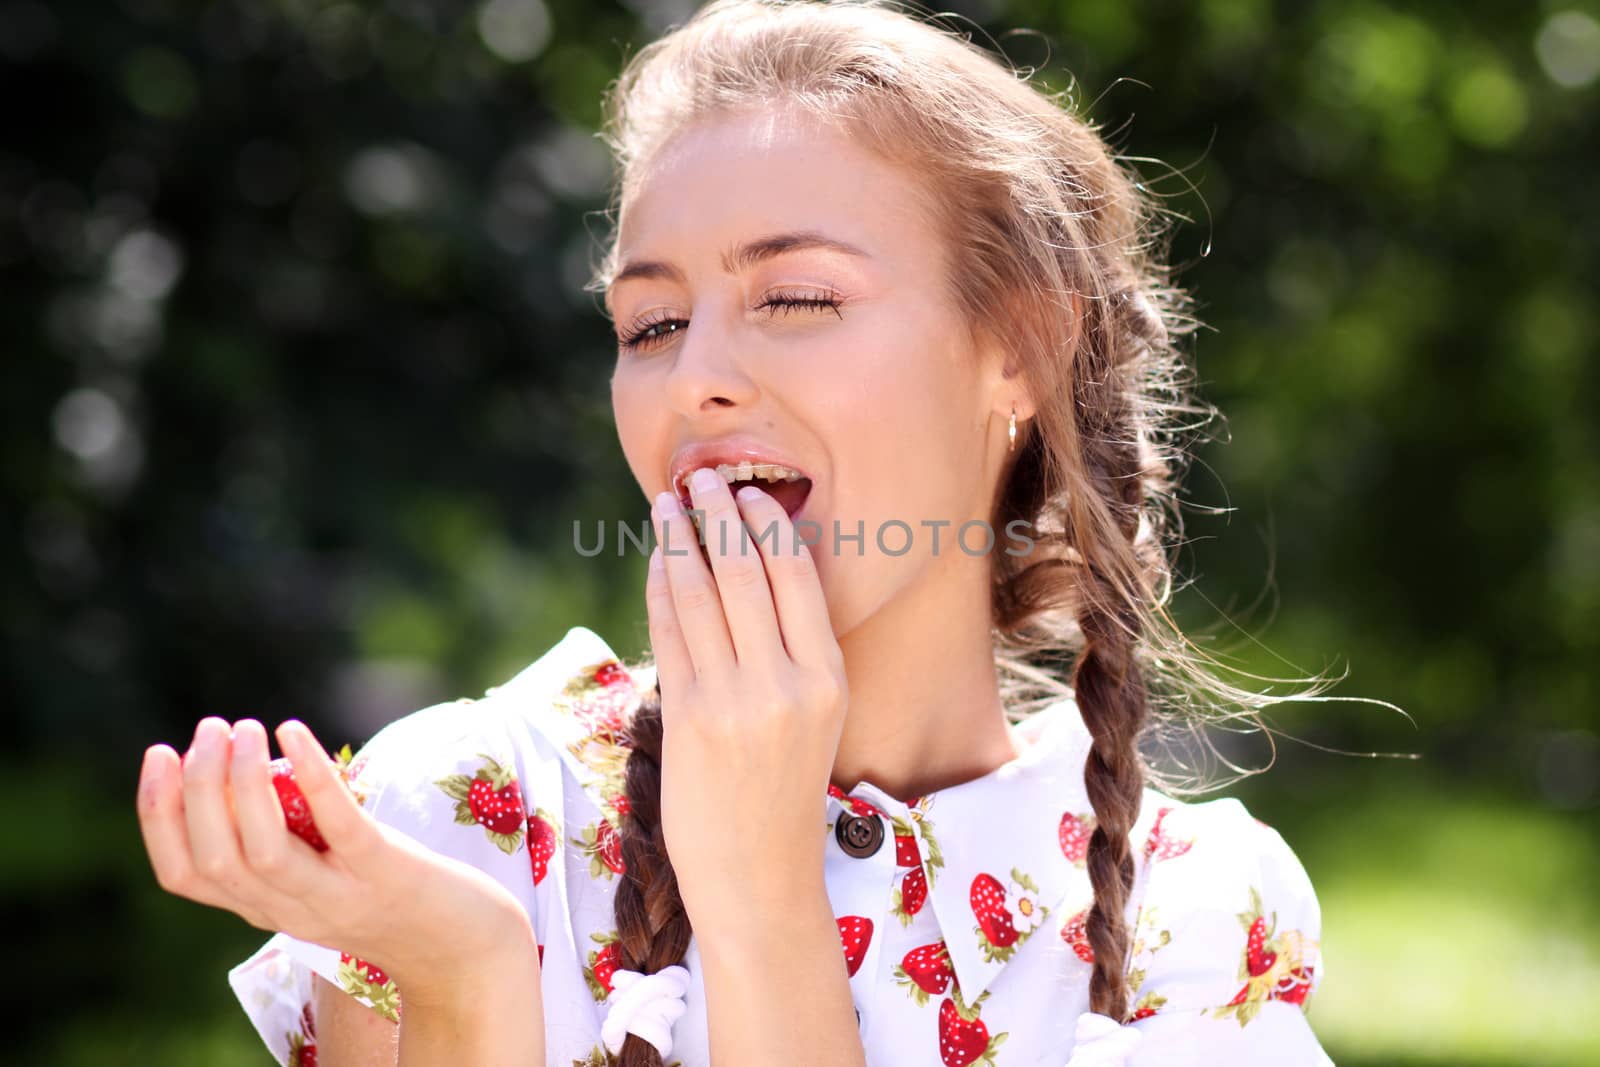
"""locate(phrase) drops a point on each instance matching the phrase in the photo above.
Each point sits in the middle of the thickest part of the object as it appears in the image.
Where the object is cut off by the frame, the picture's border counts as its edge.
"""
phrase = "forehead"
(735, 176)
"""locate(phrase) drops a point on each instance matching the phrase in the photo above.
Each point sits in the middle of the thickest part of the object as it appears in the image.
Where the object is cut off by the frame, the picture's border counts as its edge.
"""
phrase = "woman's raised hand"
(215, 833)
(753, 698)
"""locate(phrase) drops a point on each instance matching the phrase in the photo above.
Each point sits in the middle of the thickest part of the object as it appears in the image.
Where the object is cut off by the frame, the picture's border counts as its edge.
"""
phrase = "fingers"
(674, 668)
(213, 839)
(796, 591)
(163, 823)
(694, 594)
(269, 849)
(349, 832)
(161, 820)
(739, 571)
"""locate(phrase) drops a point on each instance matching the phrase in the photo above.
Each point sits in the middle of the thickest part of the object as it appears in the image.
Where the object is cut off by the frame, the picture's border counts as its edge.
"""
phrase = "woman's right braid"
(652, 927)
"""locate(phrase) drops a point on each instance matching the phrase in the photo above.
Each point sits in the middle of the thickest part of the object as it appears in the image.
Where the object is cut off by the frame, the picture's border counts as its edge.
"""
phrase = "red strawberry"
(1240, 997)
(905, 851)
(541, 844)
(1294, 986)
(1148, 1005)
(302, 1053)
(622, 805)
(303, 1042)
(989, 907)
(856, 804)
(600, 697)
(611, 673)
(963, 1037)
(1258, 960)
(1075, 933)
(855, 934)
(1075, 832)
(498, 809)
(492, 799)
(603, 964)
(369, 971)
(912, 894)
(1161, 847)
(293, 802)
(927, 970)
(603, 845)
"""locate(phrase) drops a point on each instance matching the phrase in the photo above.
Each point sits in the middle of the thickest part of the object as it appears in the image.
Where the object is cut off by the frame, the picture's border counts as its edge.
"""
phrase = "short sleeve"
(1226, 945)
(474, 780)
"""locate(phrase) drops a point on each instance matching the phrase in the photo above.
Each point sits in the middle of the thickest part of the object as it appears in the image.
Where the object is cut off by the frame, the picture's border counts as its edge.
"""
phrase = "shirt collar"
(1005, 850)
(998, 851)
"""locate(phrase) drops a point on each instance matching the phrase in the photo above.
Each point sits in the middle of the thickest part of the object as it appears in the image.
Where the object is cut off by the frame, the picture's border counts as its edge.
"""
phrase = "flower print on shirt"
(998, 908)
(951, 987)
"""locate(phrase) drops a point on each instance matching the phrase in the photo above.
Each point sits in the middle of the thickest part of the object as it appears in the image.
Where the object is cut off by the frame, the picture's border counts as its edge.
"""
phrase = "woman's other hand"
(753, 695)
(216, 834)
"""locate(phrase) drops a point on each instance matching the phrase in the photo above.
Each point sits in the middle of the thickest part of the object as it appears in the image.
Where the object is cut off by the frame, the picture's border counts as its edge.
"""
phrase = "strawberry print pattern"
(1274, 966)
(855, 933)
(934, 927)
(603, 963)
(1007, 913)
(362, 979)
(963, 1036)
(303, 1040)
(492, 799)
(603, 845)
(925, 972)
(542, 838)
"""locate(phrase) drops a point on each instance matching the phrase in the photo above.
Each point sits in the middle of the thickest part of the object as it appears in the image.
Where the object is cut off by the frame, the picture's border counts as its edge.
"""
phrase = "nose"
(706, 372)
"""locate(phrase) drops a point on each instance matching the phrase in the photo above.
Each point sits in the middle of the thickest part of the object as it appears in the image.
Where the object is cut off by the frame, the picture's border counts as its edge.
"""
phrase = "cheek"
(640, 425)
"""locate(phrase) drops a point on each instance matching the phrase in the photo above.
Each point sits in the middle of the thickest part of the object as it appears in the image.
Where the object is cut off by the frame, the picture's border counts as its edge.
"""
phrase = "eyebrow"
(743, 257)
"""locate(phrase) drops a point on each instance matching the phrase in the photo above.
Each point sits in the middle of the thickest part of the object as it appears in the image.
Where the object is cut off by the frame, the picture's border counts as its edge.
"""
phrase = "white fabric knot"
(1103, 1042)
(644, 1004)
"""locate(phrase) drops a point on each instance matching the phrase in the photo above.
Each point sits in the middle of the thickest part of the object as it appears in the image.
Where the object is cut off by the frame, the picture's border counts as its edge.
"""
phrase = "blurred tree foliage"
(301, 396)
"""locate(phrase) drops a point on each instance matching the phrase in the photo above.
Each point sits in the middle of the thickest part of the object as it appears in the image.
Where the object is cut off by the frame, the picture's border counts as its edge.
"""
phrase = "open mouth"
(786, 485)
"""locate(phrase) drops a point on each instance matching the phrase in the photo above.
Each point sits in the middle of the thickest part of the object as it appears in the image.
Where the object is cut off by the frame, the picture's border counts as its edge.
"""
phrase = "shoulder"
(1226, 918)
(544, 748)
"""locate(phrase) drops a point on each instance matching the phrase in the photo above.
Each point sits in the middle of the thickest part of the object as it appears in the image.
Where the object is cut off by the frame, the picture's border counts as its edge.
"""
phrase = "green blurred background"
(300, 395)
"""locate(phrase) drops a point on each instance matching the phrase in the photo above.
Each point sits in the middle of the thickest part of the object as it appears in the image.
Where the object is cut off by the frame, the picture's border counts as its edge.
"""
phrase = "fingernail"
(666, 505)
(749, 494)
(704, 480)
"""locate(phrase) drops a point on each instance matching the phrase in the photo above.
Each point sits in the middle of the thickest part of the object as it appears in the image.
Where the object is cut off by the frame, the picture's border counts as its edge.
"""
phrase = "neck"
(925, 710)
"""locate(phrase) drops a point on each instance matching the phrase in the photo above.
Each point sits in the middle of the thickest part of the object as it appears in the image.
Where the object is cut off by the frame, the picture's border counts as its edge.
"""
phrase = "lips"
(790, 495)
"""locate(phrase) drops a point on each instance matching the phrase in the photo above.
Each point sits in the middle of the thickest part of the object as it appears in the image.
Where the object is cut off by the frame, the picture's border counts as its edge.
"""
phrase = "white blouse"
(960, 912)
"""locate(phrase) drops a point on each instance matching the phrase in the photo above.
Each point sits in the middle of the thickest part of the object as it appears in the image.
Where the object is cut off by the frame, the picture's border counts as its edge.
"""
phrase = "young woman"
(892, 309)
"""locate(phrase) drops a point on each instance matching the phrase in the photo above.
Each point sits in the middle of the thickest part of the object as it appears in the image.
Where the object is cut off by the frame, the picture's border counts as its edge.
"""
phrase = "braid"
(652, 927)
(1110, 688)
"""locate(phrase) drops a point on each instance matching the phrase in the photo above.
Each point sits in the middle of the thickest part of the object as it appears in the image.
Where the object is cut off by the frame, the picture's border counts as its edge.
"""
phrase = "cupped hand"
(216, 834)
(753, 698)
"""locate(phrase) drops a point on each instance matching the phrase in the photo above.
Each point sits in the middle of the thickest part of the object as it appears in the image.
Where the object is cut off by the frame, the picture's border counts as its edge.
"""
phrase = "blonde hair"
(1061, 259)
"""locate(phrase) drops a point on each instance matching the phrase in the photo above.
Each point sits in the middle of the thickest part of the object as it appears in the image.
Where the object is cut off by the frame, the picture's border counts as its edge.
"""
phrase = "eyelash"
(641, 337)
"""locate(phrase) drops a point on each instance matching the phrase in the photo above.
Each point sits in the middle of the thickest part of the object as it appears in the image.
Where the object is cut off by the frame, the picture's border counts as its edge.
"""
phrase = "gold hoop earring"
(1011, 431)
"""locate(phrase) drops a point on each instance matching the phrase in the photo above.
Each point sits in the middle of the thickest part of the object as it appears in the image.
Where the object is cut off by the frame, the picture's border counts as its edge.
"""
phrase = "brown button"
(859, 835)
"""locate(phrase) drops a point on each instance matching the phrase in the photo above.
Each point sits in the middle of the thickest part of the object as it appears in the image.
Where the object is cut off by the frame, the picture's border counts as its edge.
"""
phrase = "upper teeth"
(747, 471)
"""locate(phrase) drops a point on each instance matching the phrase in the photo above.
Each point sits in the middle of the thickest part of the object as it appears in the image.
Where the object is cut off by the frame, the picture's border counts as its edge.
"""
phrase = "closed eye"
(649, 334)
